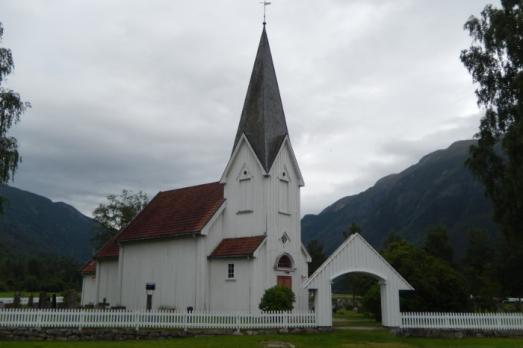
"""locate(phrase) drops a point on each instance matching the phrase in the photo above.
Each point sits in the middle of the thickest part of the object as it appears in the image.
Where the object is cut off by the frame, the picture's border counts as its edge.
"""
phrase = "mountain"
(438, 190)
(34, 225)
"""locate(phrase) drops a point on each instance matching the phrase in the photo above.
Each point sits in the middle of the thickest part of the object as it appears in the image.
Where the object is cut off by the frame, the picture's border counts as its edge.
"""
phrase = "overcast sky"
(147, 95)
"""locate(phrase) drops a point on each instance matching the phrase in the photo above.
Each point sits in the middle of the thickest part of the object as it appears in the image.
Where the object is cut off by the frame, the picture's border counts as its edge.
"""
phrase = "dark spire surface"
(263, 119)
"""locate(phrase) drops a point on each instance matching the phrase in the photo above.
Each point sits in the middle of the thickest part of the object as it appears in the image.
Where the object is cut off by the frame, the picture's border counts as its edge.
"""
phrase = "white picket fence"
(463, 321)
(80, 318)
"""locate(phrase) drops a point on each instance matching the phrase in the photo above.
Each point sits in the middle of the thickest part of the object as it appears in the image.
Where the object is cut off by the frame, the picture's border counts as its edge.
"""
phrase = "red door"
(285, 281)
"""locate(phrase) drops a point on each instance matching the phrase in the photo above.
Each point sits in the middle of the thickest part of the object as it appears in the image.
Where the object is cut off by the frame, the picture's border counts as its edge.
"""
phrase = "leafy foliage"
(439, 287)
(116, 214)
(315, 250)
(11, 107)
(437, 244)
(495, 61)
(277, 298)
(352, 229)
(480, 270)
(38, 273)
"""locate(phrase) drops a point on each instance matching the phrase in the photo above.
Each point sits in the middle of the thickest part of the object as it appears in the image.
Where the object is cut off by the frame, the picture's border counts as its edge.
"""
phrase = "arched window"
(285, 262)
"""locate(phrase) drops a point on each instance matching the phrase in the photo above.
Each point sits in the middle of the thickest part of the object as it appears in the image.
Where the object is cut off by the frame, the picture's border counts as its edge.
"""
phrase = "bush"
(277, 298)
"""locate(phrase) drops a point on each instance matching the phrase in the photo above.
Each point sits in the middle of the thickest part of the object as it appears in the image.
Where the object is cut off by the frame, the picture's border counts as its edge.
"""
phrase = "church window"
(284, 196)
(230, 271)
(284, 262)
(246, 198)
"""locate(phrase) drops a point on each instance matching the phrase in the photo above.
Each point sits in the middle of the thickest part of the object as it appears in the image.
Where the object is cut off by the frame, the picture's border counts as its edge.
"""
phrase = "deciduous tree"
(315, 250)
(116, 213)
(495, 61)
(437, 244)
(11, 107)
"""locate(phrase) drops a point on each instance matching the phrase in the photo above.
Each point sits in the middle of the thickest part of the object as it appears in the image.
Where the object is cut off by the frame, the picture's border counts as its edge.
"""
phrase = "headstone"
(43, 300)
(17, 300)
(70, 298)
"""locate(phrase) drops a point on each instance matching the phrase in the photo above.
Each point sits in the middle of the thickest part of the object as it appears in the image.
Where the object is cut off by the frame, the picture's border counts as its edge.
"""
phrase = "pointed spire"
(263, 119)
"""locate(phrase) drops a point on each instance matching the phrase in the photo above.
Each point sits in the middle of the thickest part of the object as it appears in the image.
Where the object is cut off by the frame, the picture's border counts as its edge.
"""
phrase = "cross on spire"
(265, 4)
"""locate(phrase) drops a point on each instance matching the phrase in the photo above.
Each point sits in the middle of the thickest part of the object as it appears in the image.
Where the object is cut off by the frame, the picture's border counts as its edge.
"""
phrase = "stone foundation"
(87, 334)
(456, 333)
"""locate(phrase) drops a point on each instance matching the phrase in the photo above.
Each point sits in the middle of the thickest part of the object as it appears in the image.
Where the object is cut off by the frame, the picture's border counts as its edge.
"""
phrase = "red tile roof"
(88, 268)
(109, 250)
(176, 212)
(237, 247)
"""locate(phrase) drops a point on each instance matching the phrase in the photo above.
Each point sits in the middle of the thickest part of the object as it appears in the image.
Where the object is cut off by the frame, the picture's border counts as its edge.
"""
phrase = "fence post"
(237, 321)
(81, 321)
(136, 317)
(39, 319)
(185, 325)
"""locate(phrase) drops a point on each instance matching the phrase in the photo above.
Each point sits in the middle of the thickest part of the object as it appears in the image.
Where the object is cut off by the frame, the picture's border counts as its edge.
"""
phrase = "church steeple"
(263, 120)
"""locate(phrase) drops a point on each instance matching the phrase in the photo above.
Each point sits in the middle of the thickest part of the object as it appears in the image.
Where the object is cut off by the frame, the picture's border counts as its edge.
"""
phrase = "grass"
(350, 319)
(11, 294)
(377, 337)
(346, 339)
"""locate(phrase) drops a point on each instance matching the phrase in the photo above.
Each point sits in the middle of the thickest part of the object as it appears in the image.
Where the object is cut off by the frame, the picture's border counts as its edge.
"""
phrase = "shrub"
(277, 298)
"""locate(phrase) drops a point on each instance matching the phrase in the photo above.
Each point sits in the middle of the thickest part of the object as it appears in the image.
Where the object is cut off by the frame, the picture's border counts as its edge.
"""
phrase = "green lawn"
(12, 294)
(341, 338)
(350, 319)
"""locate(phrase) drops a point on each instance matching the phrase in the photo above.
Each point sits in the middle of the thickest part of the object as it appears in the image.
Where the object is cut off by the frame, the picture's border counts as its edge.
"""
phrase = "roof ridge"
(190, 187)
(256, 236)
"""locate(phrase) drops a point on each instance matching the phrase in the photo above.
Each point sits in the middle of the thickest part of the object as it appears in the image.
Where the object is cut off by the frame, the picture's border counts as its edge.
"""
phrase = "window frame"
(246, 191)
(231, 272)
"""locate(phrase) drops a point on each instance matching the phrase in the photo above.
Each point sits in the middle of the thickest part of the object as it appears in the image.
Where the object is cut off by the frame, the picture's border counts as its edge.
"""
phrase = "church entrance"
(285, 281)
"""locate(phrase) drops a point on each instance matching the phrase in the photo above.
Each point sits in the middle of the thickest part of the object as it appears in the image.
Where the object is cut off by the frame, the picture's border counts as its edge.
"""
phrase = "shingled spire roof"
(263, 119)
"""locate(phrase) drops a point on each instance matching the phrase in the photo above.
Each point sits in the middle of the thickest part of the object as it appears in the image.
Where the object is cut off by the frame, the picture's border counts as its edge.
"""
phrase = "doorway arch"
(355, 255)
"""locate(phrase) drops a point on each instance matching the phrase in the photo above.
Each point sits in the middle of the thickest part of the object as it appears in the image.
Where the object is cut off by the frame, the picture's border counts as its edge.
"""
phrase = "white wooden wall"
(88, 289)
(356, 255)
(170, 264)
(231, 294)
(267, 217)
(179, 267)
(107, 281)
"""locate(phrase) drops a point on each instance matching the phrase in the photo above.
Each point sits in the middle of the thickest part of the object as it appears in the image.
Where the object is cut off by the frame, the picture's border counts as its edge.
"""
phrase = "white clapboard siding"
(463, 321)
(77, 318)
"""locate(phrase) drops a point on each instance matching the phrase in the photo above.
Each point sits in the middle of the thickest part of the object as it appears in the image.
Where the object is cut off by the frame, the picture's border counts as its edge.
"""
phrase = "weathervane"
(265, 4)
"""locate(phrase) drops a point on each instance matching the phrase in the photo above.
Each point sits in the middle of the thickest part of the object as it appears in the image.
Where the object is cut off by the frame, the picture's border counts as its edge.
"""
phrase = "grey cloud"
(147, 95)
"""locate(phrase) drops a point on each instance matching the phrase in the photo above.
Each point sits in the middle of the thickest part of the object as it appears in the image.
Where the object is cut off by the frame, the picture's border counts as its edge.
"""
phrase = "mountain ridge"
(437, 190)
(34, 224)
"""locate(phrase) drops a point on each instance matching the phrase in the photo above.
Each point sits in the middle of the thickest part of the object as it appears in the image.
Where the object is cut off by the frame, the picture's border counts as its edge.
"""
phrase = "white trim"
(308, 257)
(208, 225)
(243, 138)
(241, 176)
(344, 245)
(294, 162)
(257, 251)
(285, 269)
(285, 177)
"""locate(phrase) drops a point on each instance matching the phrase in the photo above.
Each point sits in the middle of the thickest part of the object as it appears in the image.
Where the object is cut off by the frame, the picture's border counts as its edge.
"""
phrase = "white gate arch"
(356, 255)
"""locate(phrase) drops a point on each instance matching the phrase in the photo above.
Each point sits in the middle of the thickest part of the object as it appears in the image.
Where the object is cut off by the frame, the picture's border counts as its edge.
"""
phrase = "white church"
(216, 246)
(219, 246)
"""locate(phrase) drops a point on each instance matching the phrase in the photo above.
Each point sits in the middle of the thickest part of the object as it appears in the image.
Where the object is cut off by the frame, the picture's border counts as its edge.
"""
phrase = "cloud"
(147, 95)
